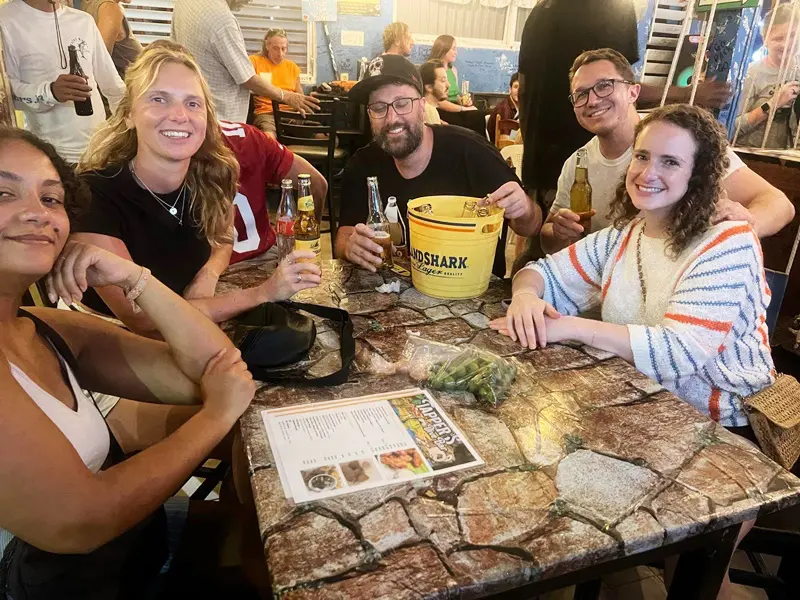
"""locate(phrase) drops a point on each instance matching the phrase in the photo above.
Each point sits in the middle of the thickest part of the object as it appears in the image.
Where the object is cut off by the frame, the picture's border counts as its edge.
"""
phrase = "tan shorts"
(265, 123)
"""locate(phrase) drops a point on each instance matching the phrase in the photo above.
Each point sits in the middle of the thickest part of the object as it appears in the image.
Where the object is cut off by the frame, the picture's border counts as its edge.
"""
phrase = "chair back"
(777, 281)
(317, 129)
(504, 127)
(513, 156)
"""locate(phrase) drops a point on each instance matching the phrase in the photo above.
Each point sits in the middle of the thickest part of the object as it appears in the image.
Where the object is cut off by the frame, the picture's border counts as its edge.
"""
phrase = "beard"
(400, 146)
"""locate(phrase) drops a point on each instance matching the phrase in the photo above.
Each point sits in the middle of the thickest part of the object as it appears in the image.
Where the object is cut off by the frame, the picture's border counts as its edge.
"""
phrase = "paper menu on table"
(342, 446)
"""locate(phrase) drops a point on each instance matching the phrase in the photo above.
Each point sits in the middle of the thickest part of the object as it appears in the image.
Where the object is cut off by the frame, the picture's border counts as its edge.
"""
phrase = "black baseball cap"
(383, 70)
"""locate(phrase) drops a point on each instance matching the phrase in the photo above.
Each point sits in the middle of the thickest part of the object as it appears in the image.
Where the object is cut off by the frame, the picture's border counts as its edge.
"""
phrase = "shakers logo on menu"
(438, 264)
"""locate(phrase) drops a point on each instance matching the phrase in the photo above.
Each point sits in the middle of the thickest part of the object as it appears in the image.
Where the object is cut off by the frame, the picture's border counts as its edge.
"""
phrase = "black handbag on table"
(274, 335)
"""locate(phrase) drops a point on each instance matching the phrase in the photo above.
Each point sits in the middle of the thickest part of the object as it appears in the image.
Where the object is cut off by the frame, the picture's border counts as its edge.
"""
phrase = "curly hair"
(691, 215)
(76, 194)
(394, 32)
(213, 170)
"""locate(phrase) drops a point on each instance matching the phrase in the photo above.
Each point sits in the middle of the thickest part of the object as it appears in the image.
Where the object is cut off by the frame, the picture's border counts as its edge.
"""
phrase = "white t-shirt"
(33, 62)
(604, 177)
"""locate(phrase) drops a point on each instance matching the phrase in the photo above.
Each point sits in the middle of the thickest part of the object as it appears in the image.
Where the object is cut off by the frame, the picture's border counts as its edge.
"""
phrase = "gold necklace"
(639, 265)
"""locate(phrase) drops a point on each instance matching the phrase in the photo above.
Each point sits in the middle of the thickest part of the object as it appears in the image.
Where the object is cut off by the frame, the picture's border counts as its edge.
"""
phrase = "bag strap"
(347, 343)
(62, 348)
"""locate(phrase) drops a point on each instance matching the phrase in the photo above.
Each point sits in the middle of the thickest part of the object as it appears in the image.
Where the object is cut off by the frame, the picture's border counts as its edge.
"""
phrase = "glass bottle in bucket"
(378, 223)
(306, 226)
(287, 215)
(397, 228)
(580, 194)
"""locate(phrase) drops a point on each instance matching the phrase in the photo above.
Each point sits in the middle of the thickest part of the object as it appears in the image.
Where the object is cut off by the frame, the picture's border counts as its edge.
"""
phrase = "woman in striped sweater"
(682, 300)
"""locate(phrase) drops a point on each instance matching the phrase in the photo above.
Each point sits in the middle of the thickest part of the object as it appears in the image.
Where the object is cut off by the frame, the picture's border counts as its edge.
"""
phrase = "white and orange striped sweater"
(702, 333)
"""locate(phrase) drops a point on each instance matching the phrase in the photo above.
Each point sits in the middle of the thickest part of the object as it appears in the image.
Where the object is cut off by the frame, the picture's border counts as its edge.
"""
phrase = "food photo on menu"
(337, 447)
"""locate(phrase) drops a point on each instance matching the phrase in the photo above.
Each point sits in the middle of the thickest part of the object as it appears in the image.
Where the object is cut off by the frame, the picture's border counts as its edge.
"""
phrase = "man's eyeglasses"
(401, 106)
(601, 89)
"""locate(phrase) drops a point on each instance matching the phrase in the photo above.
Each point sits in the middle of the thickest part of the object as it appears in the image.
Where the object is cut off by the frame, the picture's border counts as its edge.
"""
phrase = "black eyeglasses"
(601, 89)
(401, 106)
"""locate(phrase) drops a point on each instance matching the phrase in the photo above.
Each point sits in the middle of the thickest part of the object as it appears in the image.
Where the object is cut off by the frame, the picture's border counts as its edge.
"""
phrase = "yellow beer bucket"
(451, 256)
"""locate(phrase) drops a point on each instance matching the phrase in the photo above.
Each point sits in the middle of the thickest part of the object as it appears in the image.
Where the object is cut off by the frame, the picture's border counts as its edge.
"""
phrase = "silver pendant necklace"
(170, 208)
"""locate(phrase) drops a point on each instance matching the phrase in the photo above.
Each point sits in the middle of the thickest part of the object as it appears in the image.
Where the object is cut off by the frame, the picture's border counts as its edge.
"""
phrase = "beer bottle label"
(312, 245)
(285, 227)
(306, 203)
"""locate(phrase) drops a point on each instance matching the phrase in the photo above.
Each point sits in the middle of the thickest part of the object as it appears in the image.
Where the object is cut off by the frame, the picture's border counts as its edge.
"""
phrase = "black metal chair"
(314, 138)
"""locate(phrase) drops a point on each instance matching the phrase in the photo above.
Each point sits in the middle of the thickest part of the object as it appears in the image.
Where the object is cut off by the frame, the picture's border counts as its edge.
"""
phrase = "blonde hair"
(213, 170)
(394, 32)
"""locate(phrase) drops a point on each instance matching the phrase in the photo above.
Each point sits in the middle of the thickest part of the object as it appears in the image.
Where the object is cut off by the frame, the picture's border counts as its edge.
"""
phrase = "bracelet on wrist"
(525, 293)
(134, 292)
(282, 95)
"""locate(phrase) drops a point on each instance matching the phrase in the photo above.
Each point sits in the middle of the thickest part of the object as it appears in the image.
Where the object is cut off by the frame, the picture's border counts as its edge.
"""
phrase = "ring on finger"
(299, 279)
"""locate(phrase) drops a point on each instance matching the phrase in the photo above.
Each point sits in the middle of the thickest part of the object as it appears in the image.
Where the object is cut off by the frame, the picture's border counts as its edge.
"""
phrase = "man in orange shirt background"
(283, 73)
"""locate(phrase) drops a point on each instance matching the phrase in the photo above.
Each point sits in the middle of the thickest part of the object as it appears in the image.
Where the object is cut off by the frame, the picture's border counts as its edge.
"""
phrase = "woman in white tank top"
(55, 498)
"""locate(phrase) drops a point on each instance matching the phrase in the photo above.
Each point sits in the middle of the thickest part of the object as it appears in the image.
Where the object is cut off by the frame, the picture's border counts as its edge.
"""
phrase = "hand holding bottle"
(70, 88)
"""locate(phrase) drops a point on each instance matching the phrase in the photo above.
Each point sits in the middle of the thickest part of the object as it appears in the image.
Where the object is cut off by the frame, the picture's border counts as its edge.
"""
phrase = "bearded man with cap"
(412, 160)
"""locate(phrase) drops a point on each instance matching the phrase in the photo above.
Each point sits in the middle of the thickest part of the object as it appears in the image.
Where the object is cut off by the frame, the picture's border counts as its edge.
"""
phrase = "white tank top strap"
(84, 427)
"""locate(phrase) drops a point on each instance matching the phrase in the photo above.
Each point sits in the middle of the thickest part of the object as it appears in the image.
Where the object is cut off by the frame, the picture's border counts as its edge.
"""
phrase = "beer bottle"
(378, 223)
(287, 214)
(83, 108)
(470, 208)
(397, 228)
(580, 194)
(306, 227)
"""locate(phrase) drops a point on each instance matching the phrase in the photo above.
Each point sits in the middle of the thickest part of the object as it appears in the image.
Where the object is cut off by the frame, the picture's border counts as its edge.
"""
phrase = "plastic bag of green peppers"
(486, 375)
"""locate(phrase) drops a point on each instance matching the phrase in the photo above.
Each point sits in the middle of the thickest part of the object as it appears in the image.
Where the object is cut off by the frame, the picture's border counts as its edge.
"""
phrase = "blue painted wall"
(486, 70)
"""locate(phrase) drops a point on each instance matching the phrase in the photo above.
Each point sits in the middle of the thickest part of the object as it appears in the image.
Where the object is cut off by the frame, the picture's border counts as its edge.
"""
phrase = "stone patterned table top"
(587, 460)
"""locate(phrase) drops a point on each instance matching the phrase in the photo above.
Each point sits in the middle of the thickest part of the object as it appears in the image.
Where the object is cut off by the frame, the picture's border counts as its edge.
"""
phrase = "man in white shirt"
(604, 98)
(36, 37)
(209, 30)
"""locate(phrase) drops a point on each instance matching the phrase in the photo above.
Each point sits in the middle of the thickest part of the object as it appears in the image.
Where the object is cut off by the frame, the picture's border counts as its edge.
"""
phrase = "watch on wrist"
(765, 108)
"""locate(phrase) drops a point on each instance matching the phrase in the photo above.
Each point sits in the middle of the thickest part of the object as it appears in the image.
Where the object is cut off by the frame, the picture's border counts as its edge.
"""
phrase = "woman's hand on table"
(81, 266)
(227, 386)
(362, 251)
(292, 276)
(527, 320)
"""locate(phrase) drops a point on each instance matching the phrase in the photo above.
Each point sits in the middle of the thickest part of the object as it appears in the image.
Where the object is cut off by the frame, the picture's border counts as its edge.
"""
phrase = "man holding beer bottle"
(411, 160)
(603, 96)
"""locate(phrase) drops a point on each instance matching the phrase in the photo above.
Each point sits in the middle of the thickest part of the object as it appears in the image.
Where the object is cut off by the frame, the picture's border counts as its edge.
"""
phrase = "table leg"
(700, 572)
(588, 590)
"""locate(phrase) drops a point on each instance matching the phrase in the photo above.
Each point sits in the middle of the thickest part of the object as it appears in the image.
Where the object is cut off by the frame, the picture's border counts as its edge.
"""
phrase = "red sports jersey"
(262, 160)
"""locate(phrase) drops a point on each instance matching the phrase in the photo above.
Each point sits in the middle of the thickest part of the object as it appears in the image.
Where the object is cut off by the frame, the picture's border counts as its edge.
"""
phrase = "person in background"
(163, 182)
(604, 102)
(412, 160)
(435, 85)
(508, 108)
(764, 90)
(208, 29)
(445, 50)
(561, 30)
(85, 521)
(36, 35)
(397, 39)
(272, 65)
(122, 45)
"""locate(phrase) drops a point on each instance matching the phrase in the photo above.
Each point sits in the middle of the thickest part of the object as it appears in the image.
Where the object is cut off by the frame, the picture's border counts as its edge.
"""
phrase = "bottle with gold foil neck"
(306, 227)
(580, 194)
